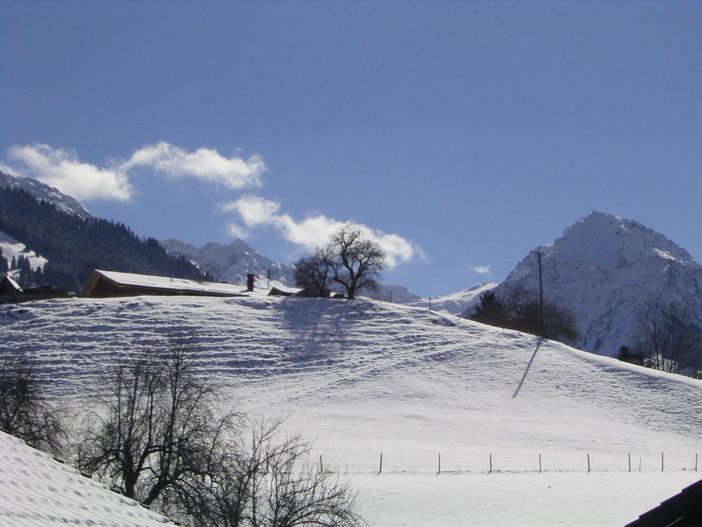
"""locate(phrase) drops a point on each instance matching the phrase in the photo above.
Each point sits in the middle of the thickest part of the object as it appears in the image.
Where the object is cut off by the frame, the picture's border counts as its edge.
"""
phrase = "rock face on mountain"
(604, 269)
(43, 192)
(231, 262)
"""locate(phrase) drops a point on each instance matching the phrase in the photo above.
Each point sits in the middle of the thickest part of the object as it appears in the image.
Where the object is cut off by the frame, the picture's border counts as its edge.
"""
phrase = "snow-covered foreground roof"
(36, 490)
(363, 378)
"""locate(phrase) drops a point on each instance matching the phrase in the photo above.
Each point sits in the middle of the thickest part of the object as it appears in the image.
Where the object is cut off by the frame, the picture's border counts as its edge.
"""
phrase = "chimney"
(250, 282)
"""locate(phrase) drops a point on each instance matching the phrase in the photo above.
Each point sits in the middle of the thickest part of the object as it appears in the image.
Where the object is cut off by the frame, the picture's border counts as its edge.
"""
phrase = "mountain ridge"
(43, 192)
(604, 269)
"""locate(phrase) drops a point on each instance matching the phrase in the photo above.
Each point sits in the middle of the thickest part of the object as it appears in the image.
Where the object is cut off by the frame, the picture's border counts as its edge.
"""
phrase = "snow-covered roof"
(174, 284)
(12, 282)
(37, 491)
(284, 289)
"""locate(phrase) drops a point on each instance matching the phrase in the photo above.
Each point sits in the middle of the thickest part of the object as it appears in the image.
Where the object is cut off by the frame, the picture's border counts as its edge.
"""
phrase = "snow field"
(363, 378)
(586, 500)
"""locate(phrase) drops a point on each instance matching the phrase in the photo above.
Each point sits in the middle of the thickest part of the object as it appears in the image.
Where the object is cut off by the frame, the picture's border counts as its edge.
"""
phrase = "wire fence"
(514, 463)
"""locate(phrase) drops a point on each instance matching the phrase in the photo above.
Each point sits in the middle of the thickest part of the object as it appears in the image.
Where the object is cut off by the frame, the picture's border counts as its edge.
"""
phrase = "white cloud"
(205, 164)
(62, 169)
(481, 269)
(316, 229)
(65, 171)
(254, 210)
(237, 231)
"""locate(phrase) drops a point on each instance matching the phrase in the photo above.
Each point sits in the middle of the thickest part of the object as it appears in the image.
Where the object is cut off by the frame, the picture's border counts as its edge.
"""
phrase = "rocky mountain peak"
(604, 269)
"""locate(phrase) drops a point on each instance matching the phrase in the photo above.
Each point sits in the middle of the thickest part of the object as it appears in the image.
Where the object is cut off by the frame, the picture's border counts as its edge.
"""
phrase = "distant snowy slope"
(604, 269)
(12, 248)
(44, 192)
(391, 293)
(456, 303)
(37, 491)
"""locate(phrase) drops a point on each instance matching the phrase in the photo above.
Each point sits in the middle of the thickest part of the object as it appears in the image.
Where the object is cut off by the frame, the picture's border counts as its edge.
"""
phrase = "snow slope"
(456, 303)
(12, 248)
(37, 491)
(604, 269)
(364, 378)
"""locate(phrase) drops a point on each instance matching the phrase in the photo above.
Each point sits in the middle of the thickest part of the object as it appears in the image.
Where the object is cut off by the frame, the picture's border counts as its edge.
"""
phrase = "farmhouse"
(112, 283)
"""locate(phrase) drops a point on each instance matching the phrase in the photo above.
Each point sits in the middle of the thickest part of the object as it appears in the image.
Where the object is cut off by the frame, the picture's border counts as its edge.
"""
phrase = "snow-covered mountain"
(231, 262)
(455, 303)
(604, 269)
(365, 378)
(44, 192)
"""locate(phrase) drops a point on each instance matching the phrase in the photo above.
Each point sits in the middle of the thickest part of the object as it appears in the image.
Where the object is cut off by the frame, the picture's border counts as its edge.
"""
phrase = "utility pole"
(541, 295)
(268, 275)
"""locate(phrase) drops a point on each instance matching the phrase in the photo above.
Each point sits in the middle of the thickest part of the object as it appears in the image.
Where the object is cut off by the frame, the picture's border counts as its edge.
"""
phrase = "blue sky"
(461, 134)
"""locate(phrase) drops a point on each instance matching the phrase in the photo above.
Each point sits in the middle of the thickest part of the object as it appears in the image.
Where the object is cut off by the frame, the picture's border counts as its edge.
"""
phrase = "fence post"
(539, 463)
(662, 466)
(439, 470)
(321, 465)
(588, 462)
(380, 469)
(639, 463)
(490, 471)
(695, 462)
(629, 461)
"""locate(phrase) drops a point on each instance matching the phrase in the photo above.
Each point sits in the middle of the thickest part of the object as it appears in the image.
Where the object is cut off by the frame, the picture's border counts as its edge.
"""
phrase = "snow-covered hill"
(37, 491)
(44, 192)
(604, 269)
(365, 378)
(455, 303)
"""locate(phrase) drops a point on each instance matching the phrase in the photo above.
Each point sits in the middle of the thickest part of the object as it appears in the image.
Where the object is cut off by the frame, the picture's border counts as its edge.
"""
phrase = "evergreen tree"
(490, 310)
(75, 246)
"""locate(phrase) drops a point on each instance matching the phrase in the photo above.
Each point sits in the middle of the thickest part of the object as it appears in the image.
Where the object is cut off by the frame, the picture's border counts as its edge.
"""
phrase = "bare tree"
(313, 274)
(160, 438)
(669, 334)
(350, 259)
(24, 410)
(358, 260)
(159, 431)
(271, 482)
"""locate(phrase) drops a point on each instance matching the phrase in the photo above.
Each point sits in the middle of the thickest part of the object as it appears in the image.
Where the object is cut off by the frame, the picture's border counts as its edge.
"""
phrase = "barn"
(102, 283)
